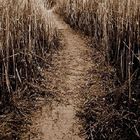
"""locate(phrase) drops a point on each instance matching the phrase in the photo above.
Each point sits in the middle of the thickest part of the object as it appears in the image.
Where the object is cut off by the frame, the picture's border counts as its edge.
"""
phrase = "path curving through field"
(69, 77)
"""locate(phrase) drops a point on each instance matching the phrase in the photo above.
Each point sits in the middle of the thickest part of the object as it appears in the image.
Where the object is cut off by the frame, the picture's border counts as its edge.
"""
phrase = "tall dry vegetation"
(26, 38)
(114, 27)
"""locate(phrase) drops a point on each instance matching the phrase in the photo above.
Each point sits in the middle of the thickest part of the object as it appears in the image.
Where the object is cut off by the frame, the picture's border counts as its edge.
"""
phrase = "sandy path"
(69, 77)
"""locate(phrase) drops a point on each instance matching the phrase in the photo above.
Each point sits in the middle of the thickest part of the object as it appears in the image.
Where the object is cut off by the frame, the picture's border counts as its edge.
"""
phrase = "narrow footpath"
(69, 77)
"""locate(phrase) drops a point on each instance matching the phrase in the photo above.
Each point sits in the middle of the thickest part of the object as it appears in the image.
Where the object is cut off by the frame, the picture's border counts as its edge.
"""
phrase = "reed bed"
(26, 39)
(114, 27)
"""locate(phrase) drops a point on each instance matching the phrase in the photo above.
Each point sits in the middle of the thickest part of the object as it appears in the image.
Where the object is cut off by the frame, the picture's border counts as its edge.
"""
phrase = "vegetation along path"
(69, 77)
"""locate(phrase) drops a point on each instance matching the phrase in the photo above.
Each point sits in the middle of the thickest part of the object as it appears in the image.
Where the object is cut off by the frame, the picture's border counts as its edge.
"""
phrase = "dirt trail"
(69, 77)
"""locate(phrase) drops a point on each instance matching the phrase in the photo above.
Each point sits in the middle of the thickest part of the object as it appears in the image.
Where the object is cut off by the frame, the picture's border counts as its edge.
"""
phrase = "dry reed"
(26, 38)
(115, 30)
(114, 25)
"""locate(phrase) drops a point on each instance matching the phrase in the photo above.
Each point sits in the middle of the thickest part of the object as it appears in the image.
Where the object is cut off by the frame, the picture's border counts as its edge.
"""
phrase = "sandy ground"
(69, 77)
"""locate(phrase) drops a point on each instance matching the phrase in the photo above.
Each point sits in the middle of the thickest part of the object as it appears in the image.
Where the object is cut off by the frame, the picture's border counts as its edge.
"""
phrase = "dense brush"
(114, 25)
(115, 30)
(26, 38)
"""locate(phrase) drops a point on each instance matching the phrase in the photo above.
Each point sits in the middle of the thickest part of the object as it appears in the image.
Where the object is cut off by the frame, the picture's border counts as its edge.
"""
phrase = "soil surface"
(70, 77)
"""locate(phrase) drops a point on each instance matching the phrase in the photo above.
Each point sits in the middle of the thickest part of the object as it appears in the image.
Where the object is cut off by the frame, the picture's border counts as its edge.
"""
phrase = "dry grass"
(26, 38)
(114, 23)
(112, 118)
(115, 29)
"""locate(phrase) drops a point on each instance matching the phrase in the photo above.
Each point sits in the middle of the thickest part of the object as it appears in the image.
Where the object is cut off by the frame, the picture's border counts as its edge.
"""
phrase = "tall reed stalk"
(26, 38)
(115, 25)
